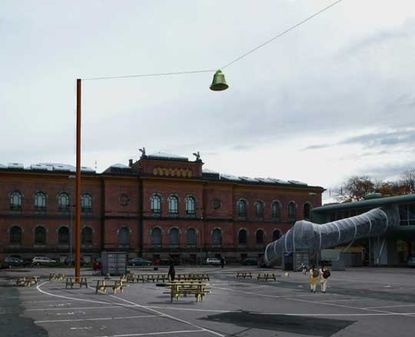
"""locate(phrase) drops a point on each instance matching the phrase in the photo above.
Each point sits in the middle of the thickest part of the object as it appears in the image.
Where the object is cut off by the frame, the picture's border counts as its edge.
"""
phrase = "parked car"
(12, 261)
(411, 261)
(250, 261)
(139, 261)
(42, 260)
(213, 261)
(70, 260)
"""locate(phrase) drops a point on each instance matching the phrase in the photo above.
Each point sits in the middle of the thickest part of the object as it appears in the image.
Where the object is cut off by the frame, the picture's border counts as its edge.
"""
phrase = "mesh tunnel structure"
(312, 237)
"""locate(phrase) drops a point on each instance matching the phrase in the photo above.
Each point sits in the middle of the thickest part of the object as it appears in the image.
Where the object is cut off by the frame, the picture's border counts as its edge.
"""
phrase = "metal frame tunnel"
(312, 237)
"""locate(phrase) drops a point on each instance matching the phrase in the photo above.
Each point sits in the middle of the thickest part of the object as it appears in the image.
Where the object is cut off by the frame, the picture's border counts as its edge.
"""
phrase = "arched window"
(276, 234)
(15, 237)
(155, 204)
(124, 199)
(156, 237)
(216, 237)
(40, 200)
(190, 205)
(243, 237)
(64, 201)
(63, 235)
(40, 235)
(174, 237)
(173, 205)
(259, 237)
(124, 236)
(241, 208)
(15, 200)
(86, 236)
(259, 209)
(307, 211)
(86, 202)
(292, 211)
(276, 210)
(191, 237)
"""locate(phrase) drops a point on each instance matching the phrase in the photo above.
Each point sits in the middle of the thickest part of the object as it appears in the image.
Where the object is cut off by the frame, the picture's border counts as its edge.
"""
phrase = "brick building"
(159, 207)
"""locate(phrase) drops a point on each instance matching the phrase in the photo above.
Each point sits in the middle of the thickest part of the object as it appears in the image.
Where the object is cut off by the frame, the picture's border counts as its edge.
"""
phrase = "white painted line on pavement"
(169, 316)
(391, 306)
(154, 333)
(84, 308)
(292, 298)
(131, 304)
(76, 299)
(189, 309)
(82, 328)
(95, 319)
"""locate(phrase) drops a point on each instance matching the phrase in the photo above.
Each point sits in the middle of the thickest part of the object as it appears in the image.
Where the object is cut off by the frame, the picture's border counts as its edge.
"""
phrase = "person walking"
(324, 275)
(172, 272)
(222, 261)
(313, 278)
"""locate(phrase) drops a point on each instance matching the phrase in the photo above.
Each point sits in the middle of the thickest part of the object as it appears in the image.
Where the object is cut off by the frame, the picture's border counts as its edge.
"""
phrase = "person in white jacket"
(324, 275)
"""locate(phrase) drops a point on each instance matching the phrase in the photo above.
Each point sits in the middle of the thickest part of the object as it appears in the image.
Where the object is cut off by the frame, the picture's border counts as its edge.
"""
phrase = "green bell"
(218, 83)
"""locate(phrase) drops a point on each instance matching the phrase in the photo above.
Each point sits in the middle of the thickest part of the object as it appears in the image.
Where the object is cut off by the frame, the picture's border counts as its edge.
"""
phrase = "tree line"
(358, 187)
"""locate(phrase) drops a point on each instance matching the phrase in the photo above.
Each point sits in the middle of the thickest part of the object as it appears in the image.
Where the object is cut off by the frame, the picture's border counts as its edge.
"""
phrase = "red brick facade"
(131, 205)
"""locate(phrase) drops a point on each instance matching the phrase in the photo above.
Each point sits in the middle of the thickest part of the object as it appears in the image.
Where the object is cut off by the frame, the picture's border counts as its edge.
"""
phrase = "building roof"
(57, 167)
(121, 169)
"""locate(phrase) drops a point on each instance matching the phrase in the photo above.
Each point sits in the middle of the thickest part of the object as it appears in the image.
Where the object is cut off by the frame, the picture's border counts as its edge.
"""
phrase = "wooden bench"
(243, 274)
(27, 281)
(177, 289)
(115, 285)
(71, 281)
(266, 276)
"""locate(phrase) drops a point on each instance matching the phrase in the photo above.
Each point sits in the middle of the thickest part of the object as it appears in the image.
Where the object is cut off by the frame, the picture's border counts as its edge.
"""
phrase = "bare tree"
(388, 188)
(407, 182)
(356, 188)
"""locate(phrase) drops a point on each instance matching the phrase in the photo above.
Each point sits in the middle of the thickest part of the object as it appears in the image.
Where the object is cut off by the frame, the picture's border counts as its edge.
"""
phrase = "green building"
(391, 249)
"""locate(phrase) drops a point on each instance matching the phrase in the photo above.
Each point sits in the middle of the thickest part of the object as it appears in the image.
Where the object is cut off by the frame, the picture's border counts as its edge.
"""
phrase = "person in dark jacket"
(172, 271)
(324, 275)
(222, 261)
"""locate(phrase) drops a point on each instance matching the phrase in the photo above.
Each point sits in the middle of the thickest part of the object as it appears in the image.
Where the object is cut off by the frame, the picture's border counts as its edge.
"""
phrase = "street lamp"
(218, 84)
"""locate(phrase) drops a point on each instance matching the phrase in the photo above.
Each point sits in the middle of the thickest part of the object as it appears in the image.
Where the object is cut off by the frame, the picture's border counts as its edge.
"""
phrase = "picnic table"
(71, 280)
(182, 288)
(153, 277)
(243, 274)
(58, 277)
(115, 285)
(266, 276)
(27, 281)
(192, 276)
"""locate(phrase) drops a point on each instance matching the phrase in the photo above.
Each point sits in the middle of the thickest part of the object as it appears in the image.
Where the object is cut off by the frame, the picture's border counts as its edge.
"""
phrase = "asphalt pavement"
(376, 302)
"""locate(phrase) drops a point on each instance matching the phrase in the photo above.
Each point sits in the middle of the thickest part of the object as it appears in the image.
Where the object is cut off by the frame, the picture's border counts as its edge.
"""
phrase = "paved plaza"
(359, 302)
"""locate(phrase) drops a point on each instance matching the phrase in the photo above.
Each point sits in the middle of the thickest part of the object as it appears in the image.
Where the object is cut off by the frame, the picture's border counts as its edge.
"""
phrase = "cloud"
(387, 171)
(383, 139)
(318, 89)
(386, 139)
(316, 147)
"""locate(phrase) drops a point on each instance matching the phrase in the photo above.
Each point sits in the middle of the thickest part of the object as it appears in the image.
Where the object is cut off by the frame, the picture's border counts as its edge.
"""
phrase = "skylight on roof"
(167, 155)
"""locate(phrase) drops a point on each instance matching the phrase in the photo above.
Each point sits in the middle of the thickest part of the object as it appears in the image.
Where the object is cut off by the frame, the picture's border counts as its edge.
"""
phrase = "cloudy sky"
(333, 98)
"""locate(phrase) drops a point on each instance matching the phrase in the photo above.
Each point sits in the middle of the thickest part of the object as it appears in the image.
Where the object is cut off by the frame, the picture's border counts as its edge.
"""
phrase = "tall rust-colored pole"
(78, 184)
